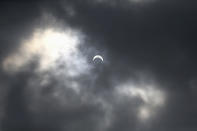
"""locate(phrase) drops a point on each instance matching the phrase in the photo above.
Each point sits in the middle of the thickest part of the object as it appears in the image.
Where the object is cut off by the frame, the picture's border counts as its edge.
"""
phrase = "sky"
(147, 80)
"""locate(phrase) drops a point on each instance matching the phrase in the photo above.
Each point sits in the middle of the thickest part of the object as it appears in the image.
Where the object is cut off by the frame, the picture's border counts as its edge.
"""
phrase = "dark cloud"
(149, 48)
(159, 36)
(16, 16)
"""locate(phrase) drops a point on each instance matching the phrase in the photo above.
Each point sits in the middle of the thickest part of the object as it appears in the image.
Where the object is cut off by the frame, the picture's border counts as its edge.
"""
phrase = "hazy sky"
(147, 81)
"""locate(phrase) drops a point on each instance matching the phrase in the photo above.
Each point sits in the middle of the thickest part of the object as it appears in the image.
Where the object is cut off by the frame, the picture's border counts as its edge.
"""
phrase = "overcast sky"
(146, 82)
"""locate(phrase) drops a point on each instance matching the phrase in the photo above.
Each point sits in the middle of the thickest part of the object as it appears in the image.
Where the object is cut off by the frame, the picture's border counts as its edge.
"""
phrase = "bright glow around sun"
(52, 45)
(52, 48)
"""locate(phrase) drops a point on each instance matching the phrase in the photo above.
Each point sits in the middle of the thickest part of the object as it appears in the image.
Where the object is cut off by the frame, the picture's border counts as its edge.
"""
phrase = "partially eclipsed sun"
(97, 57)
